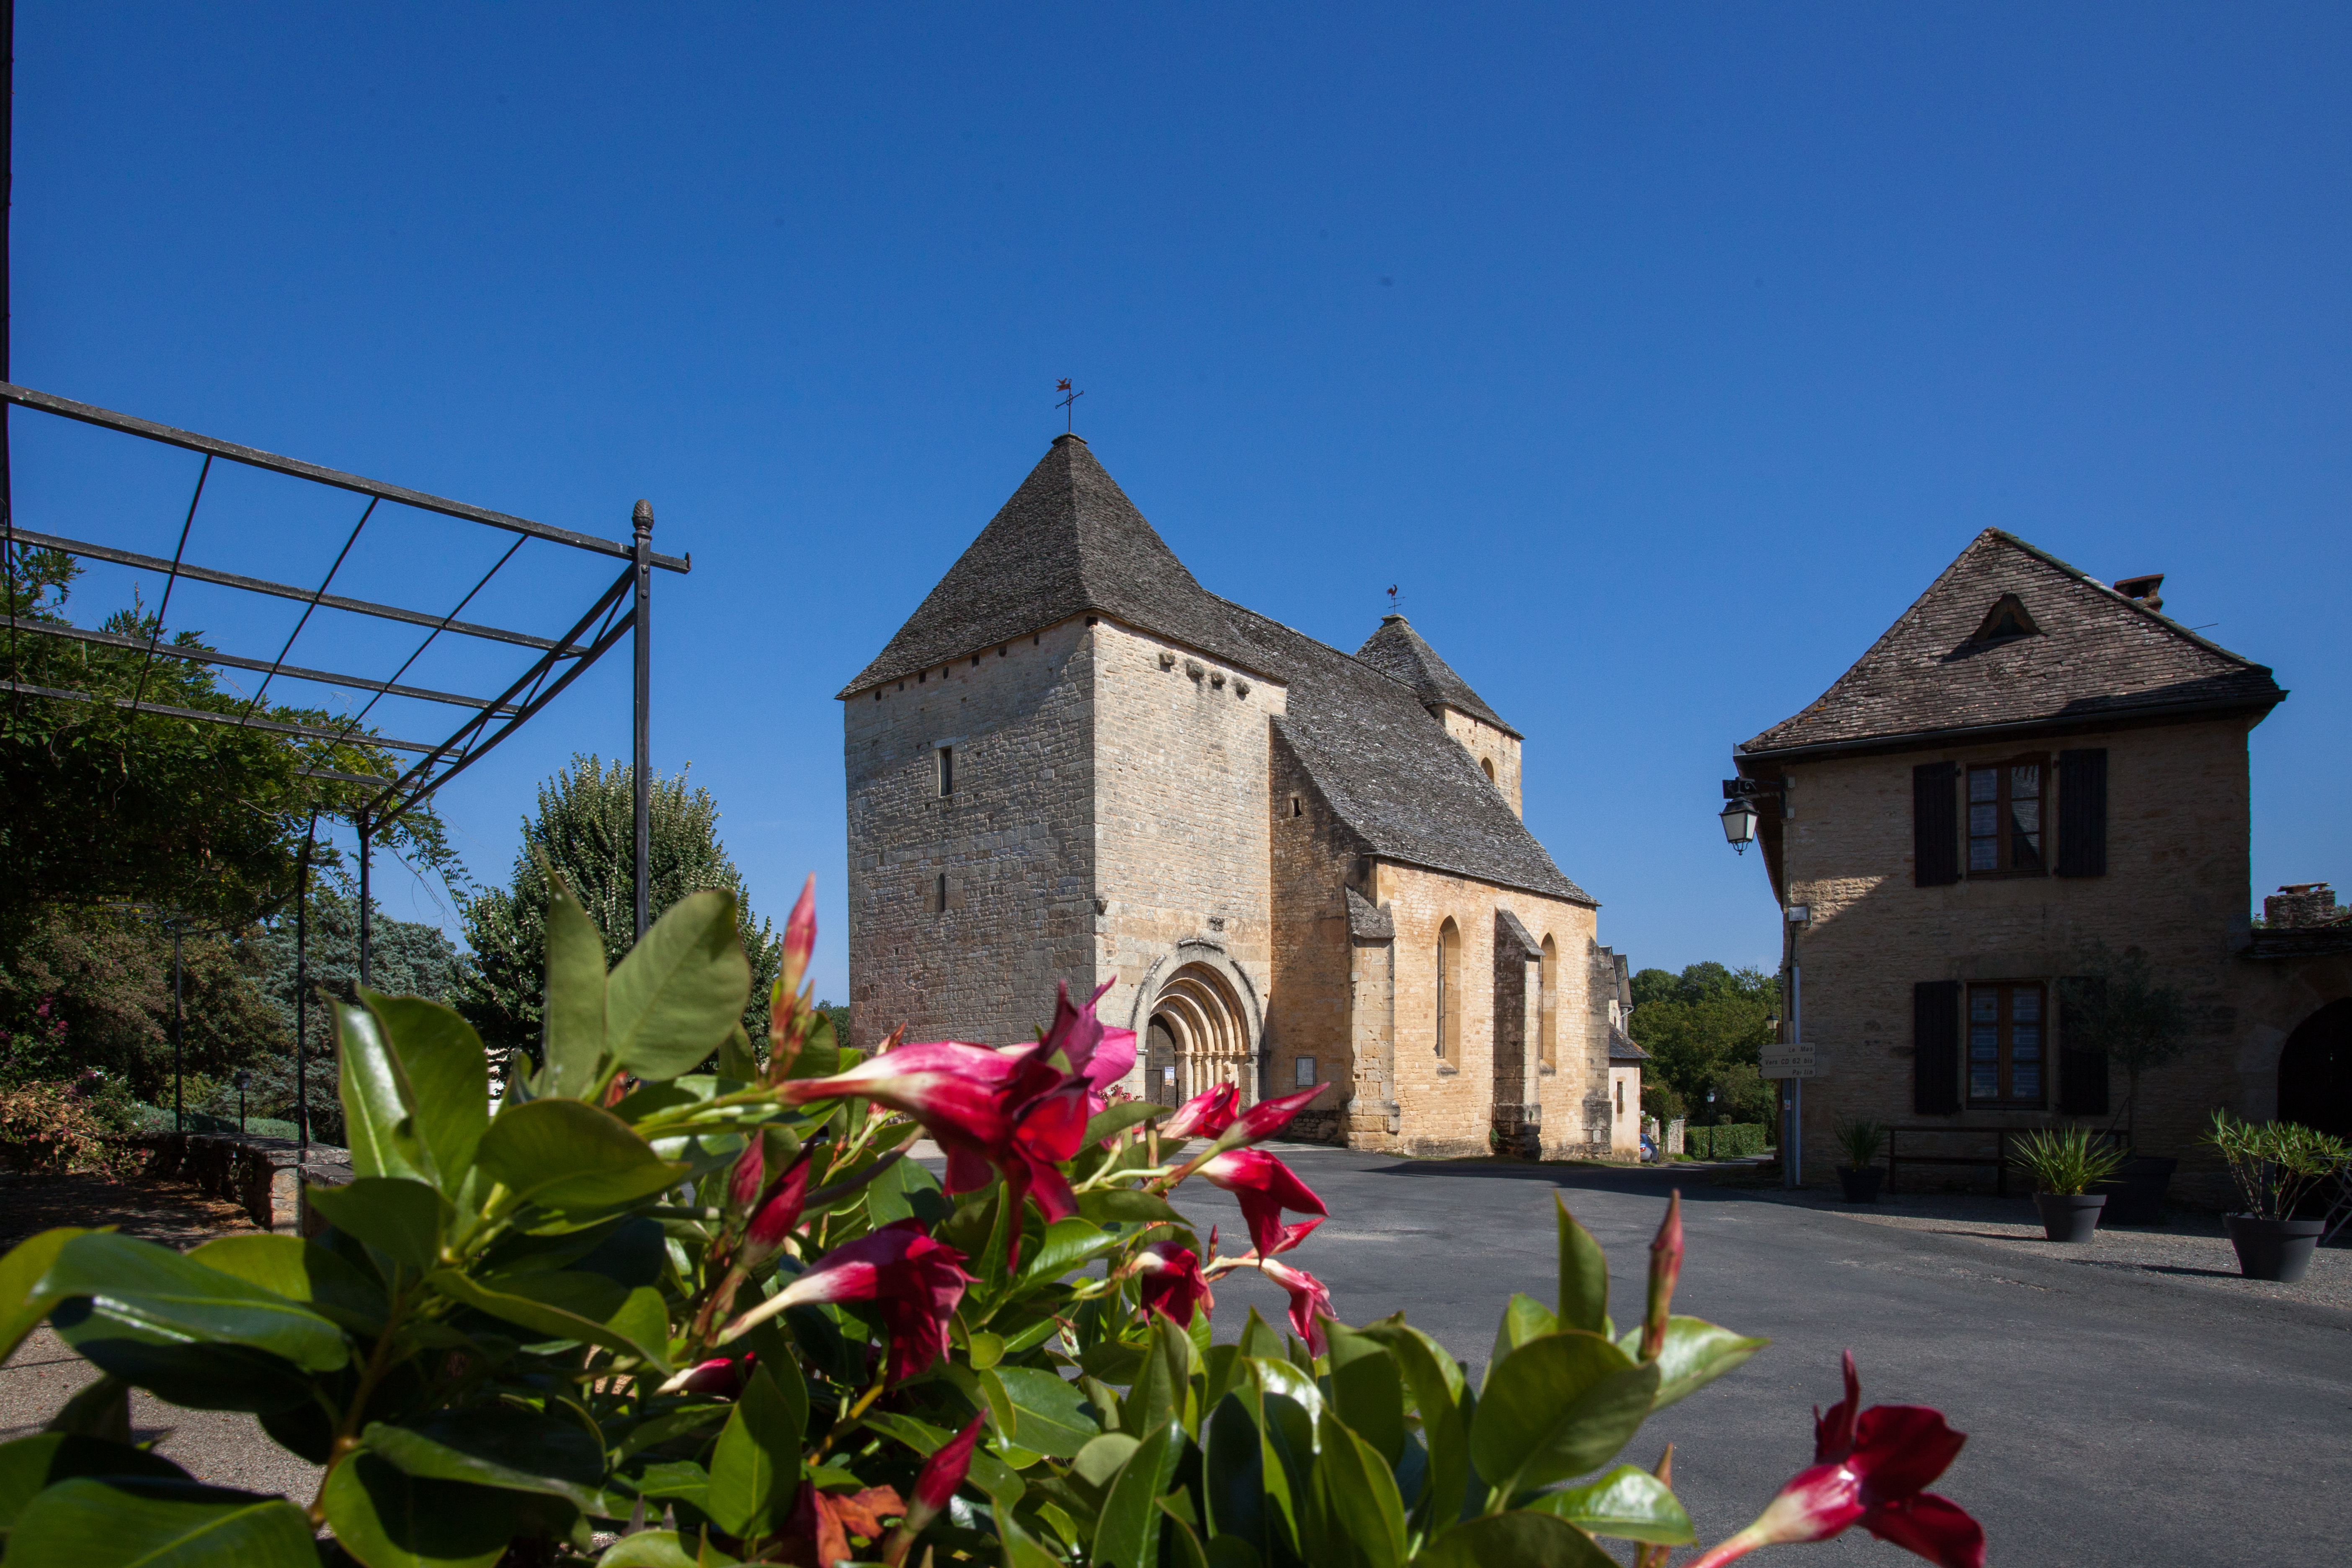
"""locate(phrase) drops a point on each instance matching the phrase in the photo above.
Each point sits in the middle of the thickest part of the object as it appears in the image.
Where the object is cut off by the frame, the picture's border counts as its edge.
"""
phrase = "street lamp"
(1739, 823)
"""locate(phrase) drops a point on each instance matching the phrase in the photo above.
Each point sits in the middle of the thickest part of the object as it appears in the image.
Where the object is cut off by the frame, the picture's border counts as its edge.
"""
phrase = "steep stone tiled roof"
(1068, 541)
(1621, 1047)
(1392, 772)
(2092, 655)
(1399, 651)
(1364, 919)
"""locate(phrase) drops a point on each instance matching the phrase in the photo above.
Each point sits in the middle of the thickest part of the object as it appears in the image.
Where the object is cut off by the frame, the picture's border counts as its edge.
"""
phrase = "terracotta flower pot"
(2276, 1249)
(2070, 1216)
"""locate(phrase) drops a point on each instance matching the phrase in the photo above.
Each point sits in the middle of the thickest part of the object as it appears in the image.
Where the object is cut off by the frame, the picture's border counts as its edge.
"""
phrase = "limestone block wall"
(1311, 1005)
(1447, 1107)
(1181, 825)
(1625, 1109)
(1496, 750)
(2175, 886)
(1014, 840)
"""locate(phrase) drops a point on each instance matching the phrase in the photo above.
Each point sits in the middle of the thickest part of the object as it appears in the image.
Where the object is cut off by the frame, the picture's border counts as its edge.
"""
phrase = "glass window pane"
(2025, 780)
(2025, 1043)
(2025, 1003)
(1984, 783)
(1984, 1004)
(2027, 816)
(1983, 821)
(1983, 1084)
(2026, 1082)
(1984, 854)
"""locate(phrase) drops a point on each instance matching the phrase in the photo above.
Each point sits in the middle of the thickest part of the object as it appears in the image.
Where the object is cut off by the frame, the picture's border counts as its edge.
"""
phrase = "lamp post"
(1739, 818)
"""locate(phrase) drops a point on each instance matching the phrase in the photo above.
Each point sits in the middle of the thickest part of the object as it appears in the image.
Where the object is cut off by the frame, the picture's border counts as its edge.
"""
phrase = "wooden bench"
(1999, 1159)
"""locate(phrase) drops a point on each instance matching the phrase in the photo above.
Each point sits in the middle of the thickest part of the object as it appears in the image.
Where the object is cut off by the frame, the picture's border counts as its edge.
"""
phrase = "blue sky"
(1662, 354)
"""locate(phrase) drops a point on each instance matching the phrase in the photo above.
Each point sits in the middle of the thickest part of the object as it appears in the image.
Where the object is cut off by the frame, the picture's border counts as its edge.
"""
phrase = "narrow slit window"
(947, 770)
(940, 894)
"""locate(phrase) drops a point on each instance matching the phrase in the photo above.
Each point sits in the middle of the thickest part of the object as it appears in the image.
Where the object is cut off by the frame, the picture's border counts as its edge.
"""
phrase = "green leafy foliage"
(582, 1316)
(1701, 1027)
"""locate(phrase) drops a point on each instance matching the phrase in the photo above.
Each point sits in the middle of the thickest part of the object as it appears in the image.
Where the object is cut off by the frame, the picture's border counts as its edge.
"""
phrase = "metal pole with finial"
(642, 758)
(1068, 405)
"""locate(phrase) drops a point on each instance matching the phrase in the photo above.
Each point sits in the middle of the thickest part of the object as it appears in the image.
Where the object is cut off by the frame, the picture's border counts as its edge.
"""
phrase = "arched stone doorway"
(1199, 1037)
(2314, 1071)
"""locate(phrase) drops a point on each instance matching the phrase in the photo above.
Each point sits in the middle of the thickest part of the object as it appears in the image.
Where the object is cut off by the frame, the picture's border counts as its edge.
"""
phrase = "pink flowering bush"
(683, 1303)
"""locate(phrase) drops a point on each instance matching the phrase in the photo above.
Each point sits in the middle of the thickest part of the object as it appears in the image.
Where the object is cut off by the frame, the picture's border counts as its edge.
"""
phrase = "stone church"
(1296, 865)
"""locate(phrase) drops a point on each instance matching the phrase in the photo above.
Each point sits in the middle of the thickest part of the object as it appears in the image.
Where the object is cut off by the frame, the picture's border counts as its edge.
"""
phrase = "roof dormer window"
(2005, 621)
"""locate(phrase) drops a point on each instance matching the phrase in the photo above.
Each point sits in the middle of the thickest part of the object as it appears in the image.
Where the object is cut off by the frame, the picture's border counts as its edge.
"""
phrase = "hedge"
(1734, 1140)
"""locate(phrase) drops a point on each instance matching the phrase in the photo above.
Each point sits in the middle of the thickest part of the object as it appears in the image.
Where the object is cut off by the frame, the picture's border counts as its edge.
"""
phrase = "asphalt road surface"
(2113, 1416)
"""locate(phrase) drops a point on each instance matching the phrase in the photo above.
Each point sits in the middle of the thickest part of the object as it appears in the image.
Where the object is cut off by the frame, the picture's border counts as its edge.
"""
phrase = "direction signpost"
(1791, 1061)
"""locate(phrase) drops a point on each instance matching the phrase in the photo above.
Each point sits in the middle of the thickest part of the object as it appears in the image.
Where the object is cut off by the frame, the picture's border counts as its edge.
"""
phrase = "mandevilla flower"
(1666, 1269)
(1169, 1279)
(1871, 1470)
(1101, 1057)
(1265, 1187)
(1268, 1117)
(942, 1473)
(1206, 1115)
(914, 1282)
(800, 935)
(1310, 1302)
(720, 1374)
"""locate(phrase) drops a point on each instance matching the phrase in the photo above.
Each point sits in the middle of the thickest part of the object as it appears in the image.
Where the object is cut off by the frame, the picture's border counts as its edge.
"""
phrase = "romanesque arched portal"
(1199, 1023)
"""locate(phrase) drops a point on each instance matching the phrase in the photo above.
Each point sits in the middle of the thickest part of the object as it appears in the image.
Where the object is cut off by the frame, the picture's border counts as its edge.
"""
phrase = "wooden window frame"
(2006, 835)
(2005, 1023)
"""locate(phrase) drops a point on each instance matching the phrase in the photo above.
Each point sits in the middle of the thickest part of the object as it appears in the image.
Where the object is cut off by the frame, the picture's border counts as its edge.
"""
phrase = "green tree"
(1700, 1025)
(585, 832)
(108, 806)
(2118, 1007)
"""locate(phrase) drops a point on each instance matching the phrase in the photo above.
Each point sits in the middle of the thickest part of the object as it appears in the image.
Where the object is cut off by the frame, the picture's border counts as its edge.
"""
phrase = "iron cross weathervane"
(1070, 397)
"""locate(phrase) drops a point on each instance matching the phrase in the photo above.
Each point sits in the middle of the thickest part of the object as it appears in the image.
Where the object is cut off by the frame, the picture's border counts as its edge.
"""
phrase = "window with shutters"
(2005, 818)
(2008, 1043)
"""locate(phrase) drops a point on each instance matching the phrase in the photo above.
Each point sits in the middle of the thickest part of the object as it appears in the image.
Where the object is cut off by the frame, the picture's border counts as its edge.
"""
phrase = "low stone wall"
(260, 1175)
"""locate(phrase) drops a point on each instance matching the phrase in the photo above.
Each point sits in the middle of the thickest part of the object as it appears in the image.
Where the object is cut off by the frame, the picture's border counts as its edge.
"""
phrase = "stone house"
(2028, 761)
(1294, 864)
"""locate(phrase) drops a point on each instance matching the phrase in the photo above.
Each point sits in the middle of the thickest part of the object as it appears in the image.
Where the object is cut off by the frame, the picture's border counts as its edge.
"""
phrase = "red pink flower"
(1870, 1470)
(942, 1473)
(913, 1281)
(1205, 1115)
(1169, 1279)
(1310, 1302)
(1266, 1186)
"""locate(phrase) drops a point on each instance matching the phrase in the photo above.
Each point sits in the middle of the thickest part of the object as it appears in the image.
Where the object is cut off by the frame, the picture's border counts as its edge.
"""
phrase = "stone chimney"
(2142, 590)
(2300, 904)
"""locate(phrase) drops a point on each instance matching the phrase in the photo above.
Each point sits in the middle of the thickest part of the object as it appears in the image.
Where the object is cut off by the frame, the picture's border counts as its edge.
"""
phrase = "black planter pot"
(2070, 1216)
(2135, 1193)
(1861, 1185)
(2276, 1249)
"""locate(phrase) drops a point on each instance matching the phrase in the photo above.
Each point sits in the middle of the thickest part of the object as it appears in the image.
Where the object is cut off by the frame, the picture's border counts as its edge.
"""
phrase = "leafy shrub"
(1732, 1141)
(2276, 1164)
(55, 1128)
(2065, 1162)
(724, 1315)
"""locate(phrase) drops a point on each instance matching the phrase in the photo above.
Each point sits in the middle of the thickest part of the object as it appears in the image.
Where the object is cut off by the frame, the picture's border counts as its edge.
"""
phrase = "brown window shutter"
(1936, 1048)
(1936, 824)
(2082, 1075)
(2083, 813)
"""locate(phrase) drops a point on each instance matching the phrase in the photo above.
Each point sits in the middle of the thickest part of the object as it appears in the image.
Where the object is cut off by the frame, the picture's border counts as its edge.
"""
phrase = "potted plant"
(2118, 1008)
(2276, 1165)
(2065, 1164)
(1860, 1175)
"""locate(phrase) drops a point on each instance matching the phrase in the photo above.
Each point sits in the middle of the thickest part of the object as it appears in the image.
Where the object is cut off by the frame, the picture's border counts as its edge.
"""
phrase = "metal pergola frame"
(622, 609)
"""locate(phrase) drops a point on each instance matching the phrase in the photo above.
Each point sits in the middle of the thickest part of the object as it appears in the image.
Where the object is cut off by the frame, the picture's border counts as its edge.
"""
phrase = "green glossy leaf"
(1435, 1380)
(1368, 1390)
(670, 1003)
(1100, 1461)
(572, 1026)
(195, 1376)
(1164, 1386)
(1023, 1550)
(400, 1217)
(1068, 1244)
(1696, 1353)
(1583, 1276)
(1111, 1206)
(302, 1271)
(648, 1549)
(1127, 1533)
(44, 1459)
(375, 1096)
(500, 1445)
(389, 1518)
(1524, 1319)
(755, 1472)
(1560, 1405)
(1517, 1540)
(567, 1155)
(22, 1304)
(736, 1061)
(174, 1297)
(1258, 1339)
(120, 1521)
(989, 1473)
(1117, 1119)
(1359, 1494)
(570, 1304)
(1234, 1474)
(1049, 1415)
(446, 1080)
(1628, 1503)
